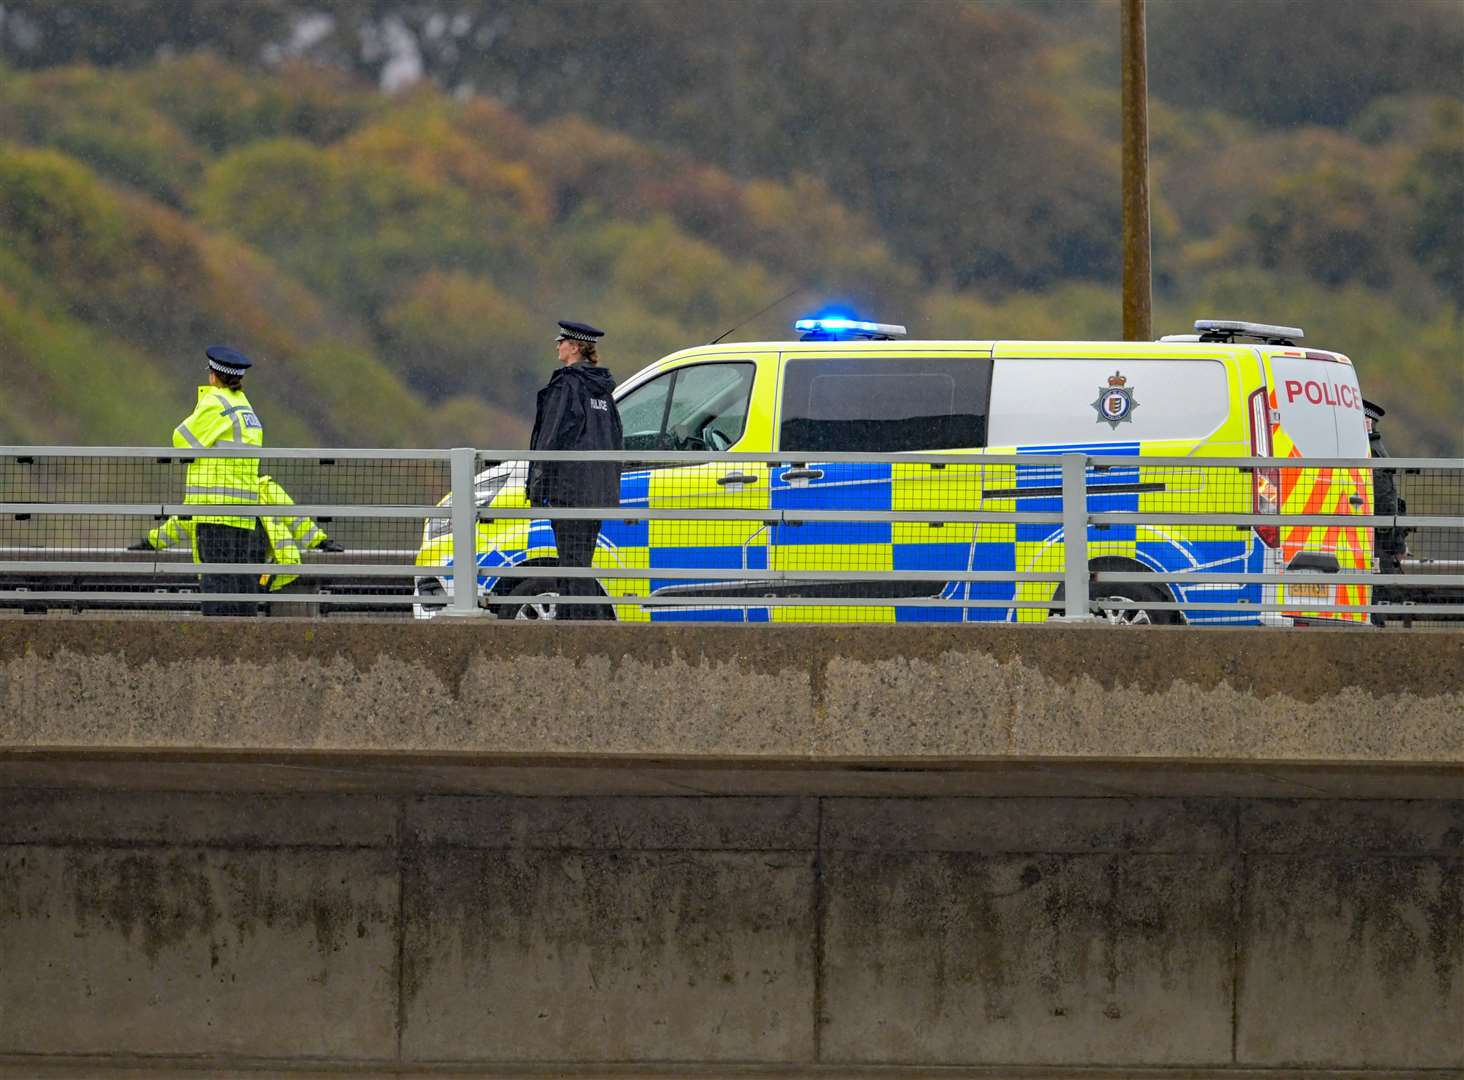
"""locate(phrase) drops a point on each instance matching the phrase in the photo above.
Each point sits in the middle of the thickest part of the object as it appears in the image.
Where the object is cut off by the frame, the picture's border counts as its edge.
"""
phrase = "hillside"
(397, 260)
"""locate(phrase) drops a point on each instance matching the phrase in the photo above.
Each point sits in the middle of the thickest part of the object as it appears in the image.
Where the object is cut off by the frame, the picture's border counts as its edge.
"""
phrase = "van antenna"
(796, 290)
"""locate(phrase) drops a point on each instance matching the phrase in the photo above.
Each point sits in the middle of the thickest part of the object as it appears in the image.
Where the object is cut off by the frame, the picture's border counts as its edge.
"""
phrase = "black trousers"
(227, 543)
(576, 543)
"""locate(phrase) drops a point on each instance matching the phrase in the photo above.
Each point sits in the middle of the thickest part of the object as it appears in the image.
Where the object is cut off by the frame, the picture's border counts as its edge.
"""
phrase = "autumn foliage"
(397, 262)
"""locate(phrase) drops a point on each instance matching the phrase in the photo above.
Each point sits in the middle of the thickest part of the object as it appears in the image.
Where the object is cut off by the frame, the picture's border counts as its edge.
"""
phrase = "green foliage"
(69, 382)
(1303, 61)
(344, 389)
(470, 421)
(396, 263)
(672, 273)
(1326, 225)
(1434, 184)
(924, 117)
(1070, 312)
(53, 209)
(80, 112)
(453, 332)
(221, 106)
(362, 220)
(275, 193)
(111, 257)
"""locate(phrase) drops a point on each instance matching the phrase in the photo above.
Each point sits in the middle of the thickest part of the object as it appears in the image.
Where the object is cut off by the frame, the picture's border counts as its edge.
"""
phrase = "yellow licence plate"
(1320, 592)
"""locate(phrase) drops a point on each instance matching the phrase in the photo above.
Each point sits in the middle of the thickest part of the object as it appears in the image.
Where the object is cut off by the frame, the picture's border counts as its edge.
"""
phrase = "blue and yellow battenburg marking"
(754, 544)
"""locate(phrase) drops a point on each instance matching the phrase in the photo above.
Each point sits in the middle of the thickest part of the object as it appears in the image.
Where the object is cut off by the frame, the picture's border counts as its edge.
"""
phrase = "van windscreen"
(884, 404)
(1319, 406)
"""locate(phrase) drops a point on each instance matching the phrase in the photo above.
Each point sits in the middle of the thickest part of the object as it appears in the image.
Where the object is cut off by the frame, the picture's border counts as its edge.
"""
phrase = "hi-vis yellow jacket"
(288, 536)
(221, 418)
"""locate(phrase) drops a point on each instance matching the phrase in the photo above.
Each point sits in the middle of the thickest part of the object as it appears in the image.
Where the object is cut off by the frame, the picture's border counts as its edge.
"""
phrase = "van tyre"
(532, 610)
(1136, 592)
(1133, 616)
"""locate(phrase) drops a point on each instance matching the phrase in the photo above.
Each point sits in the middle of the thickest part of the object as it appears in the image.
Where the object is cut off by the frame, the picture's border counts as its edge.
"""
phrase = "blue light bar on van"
(836, 327)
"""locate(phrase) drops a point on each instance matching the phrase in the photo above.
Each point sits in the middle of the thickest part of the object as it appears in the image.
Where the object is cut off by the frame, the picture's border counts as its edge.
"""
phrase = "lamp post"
(1138, 320)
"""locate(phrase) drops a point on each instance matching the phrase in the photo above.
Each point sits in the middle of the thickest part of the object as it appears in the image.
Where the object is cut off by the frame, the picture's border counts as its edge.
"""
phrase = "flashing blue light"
(831, 324)
(839, 325)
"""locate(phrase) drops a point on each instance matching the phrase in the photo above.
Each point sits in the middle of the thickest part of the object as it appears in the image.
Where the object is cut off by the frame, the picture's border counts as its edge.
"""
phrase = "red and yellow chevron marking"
(1326, 491)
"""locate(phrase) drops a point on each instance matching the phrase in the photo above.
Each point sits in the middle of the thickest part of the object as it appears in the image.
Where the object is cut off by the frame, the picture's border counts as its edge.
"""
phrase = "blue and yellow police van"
(845, 386)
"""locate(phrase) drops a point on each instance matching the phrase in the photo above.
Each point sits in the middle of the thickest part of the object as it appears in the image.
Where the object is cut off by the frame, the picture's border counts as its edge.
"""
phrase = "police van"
(1236, 389)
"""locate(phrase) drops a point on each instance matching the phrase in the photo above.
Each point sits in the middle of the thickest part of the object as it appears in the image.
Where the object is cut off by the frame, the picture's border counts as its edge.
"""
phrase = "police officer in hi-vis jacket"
(223, 417)
(577, 412)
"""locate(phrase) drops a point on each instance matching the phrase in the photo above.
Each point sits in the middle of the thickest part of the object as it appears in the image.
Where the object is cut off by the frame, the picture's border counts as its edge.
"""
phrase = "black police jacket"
(1391, 544)
(576, 412)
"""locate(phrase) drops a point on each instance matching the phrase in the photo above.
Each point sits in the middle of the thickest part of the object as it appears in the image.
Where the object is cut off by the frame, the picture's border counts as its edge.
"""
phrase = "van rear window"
(885, 404)
(1319, 406)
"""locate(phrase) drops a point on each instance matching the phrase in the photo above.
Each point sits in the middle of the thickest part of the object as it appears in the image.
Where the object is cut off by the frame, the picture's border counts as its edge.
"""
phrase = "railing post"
(1075, 538)
(463, 461)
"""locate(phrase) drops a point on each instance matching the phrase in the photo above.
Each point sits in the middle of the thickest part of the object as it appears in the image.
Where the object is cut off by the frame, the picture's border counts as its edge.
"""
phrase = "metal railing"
(774, 537)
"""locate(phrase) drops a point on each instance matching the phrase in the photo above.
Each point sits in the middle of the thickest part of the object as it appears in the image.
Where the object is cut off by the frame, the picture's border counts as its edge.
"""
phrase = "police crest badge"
(1115, 404)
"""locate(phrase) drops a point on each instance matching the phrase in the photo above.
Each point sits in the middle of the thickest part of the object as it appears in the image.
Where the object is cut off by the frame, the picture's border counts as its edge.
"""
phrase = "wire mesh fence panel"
(759, 540)
(150, 530)
(1434, 553)
(342, 481)
(1427, 493)
(78, 480)
(656, 536)
(1208, 569)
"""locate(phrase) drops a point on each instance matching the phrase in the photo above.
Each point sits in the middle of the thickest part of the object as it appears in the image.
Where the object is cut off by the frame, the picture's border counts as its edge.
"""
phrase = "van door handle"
(803, 474)
(737, 478)
(1356, 500)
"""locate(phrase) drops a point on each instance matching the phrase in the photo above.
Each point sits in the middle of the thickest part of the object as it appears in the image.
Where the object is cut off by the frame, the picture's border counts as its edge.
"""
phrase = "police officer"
(223, 417)
(1390, 544)
(577, 412)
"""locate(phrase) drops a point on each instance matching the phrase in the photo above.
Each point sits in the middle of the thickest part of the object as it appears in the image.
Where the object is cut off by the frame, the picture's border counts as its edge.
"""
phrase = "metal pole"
(1138, 319)
(464, 461)
(1075, 539)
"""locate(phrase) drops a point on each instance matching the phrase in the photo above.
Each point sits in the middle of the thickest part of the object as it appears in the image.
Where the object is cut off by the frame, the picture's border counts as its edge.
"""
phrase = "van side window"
(698, 407)
(1042, 401)
(643, 413)
(885, 404)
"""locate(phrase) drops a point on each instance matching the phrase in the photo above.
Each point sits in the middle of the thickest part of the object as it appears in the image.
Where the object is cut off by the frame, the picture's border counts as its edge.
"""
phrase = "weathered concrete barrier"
(331, 929)
(898, 694)
(772, 851)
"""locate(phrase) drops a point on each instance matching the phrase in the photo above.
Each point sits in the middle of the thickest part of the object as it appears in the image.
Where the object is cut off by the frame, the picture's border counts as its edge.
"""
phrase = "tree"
(1303, 61)
(1328, 224)
(1435, 186)
(453, 332)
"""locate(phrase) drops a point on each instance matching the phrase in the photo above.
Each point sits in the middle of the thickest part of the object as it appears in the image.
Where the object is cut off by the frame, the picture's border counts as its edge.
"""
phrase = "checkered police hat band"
(225, 369)
(574, 335)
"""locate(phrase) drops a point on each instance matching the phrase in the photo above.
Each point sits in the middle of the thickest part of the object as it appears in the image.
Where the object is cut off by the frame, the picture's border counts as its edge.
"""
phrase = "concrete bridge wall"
(802, 851)
(476, 929)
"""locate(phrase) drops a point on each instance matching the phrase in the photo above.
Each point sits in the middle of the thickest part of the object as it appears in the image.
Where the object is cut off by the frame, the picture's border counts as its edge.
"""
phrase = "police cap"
(227, 361)
(578, 331)
(1373, 412)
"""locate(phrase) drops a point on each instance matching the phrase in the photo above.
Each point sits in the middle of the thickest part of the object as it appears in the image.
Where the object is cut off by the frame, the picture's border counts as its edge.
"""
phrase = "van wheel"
(1133, 616)
(544, 608)
(531, 609)
(1133, 591)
